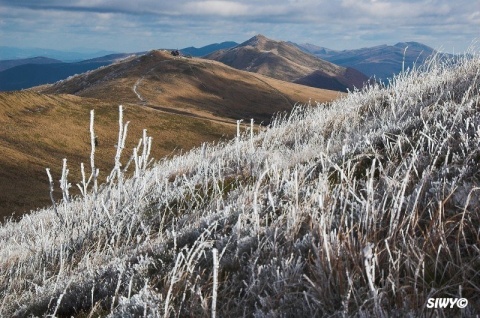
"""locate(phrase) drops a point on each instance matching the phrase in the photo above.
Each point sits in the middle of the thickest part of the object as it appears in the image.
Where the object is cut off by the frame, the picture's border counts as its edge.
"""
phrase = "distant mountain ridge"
(10, 53)
(284, 61)
(33, 72)
(205, 50)
(276, 59)
(6, 64)
(382, 61)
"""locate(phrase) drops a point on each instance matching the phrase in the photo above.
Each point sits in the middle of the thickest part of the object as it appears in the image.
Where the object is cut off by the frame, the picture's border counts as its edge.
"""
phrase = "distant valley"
(6, 64)
(18, 53)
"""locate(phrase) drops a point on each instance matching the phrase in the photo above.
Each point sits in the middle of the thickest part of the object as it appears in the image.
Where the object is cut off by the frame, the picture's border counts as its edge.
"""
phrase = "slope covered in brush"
(367, 207)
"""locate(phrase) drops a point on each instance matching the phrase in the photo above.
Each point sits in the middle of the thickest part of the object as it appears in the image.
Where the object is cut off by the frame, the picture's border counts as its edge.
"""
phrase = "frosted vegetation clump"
(367, 206)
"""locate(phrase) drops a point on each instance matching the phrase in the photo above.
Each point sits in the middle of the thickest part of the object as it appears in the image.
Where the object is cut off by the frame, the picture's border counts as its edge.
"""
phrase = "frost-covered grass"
(365, 207)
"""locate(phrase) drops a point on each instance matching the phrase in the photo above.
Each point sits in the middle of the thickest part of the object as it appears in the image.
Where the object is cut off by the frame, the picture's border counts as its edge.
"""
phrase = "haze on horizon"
(132, 26)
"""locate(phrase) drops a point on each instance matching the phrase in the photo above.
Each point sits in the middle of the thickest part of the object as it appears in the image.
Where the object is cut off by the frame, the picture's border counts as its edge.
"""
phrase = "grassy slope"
(202, 87)
(39, 130)
(367, 207)
(196, 101)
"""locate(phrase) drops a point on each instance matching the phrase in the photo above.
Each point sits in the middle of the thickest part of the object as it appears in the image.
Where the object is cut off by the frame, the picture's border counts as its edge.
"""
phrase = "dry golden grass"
(184, 102)
(197, 86)
(39, 130)
(299, 92)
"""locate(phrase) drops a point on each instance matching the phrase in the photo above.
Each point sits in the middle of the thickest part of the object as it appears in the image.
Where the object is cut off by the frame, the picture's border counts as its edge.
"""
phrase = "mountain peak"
(260, 37)
(285, 61)
(258, 41)
(414, 45)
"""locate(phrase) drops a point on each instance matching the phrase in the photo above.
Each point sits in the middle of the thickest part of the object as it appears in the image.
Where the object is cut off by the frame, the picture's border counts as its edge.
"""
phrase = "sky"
(138, 25)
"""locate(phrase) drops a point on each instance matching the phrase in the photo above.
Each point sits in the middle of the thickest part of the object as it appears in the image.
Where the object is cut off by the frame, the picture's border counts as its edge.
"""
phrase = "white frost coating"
(293, 209)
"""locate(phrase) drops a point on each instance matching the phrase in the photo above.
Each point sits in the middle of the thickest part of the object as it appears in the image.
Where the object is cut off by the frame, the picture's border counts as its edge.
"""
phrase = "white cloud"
(220, 8)
(475, 17)
(409, 11)
(340, 24)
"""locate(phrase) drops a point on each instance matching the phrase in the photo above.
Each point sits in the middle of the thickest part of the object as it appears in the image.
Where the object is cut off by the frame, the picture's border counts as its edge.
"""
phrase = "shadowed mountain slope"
(284, 61)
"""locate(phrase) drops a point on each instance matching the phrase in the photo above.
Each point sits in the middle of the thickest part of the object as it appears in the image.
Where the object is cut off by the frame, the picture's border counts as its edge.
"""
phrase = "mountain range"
(10, 53)
(284, 61)
(26, 73)
(205, 50)
(381, 61)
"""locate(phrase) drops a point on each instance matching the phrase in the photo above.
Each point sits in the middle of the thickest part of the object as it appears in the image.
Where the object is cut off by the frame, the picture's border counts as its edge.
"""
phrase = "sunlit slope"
(197, 86)
(181, 101)
(39, 130)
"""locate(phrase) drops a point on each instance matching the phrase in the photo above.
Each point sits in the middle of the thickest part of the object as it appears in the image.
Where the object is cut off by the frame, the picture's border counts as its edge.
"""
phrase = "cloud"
(316, 21)
(219, 8)
(309, 10)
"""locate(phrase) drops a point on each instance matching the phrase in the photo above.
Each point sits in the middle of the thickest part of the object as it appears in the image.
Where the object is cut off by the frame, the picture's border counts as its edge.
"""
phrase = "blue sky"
(136, 25)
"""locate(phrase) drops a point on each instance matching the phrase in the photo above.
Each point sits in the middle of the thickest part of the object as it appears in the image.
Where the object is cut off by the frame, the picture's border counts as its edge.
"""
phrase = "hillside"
(183, 102)
(39, 130)
(364, 207)
(284, 61)
(381, 61)
(193, 86)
